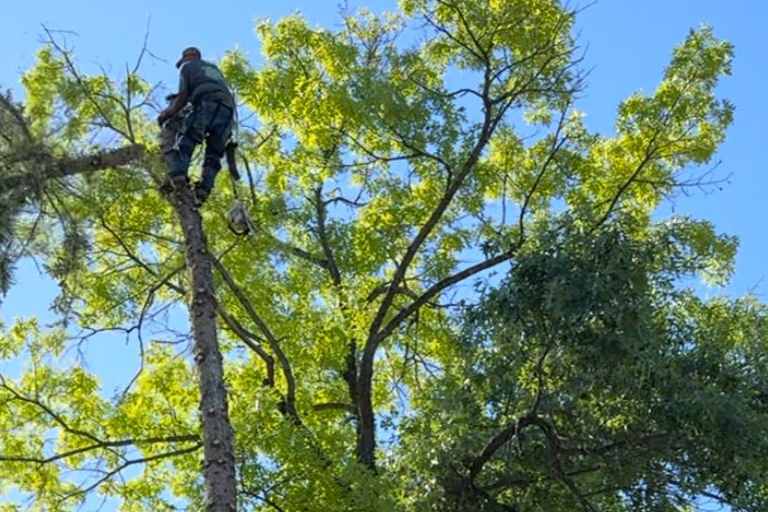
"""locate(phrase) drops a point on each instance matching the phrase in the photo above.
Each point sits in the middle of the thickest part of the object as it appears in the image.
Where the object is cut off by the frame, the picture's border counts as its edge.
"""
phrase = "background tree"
(590, 378)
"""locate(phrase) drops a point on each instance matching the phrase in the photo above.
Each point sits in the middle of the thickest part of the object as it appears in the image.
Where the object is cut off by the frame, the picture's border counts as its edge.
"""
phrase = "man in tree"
(203, 86)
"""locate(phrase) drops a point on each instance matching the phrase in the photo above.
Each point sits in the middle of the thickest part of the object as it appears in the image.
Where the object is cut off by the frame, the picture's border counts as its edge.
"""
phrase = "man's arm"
(177, 104)
(179, 101)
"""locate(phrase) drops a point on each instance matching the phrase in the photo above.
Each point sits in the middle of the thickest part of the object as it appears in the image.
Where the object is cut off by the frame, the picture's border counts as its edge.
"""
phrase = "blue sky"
(627, 46)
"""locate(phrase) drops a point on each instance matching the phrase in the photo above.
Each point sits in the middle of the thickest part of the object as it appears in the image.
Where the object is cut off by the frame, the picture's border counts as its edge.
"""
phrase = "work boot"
(179, 181)
(200, 194)
(172, 183)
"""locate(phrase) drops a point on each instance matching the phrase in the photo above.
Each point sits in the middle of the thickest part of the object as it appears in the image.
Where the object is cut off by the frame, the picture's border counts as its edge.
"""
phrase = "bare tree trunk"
(219, 455)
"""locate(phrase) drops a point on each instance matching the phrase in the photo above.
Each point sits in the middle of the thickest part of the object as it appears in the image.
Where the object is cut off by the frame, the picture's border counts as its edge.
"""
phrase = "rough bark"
(219, 458)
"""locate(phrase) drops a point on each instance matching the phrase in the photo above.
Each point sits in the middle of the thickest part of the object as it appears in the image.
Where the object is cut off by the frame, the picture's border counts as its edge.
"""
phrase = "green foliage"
(42, 82)
(15, 145)
(377, 179)
(617, 379)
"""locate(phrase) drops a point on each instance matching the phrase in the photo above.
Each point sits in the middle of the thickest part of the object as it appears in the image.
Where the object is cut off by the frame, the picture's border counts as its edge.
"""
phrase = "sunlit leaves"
(41, 82)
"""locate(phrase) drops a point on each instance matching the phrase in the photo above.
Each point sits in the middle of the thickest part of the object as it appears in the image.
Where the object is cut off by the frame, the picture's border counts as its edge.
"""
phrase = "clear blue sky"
(628, 43)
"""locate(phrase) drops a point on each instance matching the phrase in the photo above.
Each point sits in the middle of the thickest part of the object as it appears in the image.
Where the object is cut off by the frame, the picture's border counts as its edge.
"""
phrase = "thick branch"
(491, 117)
(252, 342)
(52, 169)
(442, 285)
(424, 232)
(499, 440)
(272, 341)
(554, 449)
(333, 269)
(514, 429)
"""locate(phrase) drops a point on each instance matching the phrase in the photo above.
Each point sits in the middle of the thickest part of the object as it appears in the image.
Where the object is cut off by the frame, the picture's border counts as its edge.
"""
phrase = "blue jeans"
(210, 121)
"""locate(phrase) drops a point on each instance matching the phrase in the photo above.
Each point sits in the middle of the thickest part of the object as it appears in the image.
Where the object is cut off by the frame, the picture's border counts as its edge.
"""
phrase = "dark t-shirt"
(202, 79)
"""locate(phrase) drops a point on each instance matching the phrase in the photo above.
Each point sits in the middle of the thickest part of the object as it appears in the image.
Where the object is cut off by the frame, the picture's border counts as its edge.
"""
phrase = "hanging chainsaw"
(237, 219)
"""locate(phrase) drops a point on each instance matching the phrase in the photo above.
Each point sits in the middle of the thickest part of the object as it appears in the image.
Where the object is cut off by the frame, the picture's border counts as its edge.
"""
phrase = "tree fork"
(219, 456)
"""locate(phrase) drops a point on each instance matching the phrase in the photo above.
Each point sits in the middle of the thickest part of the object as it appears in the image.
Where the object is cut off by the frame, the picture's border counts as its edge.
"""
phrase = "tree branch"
(128, 463)
(442, 285)
(55, 416)
(496, 442)
(102, 444)
(251, 341)
(272, 341)
(51, 169)
(333, 269)
(86, 90)
(18, 115)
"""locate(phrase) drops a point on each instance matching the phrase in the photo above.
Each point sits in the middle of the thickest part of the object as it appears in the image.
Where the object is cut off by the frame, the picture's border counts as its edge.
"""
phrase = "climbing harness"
(238, 220)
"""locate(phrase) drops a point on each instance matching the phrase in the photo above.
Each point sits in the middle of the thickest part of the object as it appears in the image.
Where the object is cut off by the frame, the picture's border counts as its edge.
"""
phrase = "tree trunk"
(366, 426)
(219, 457)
